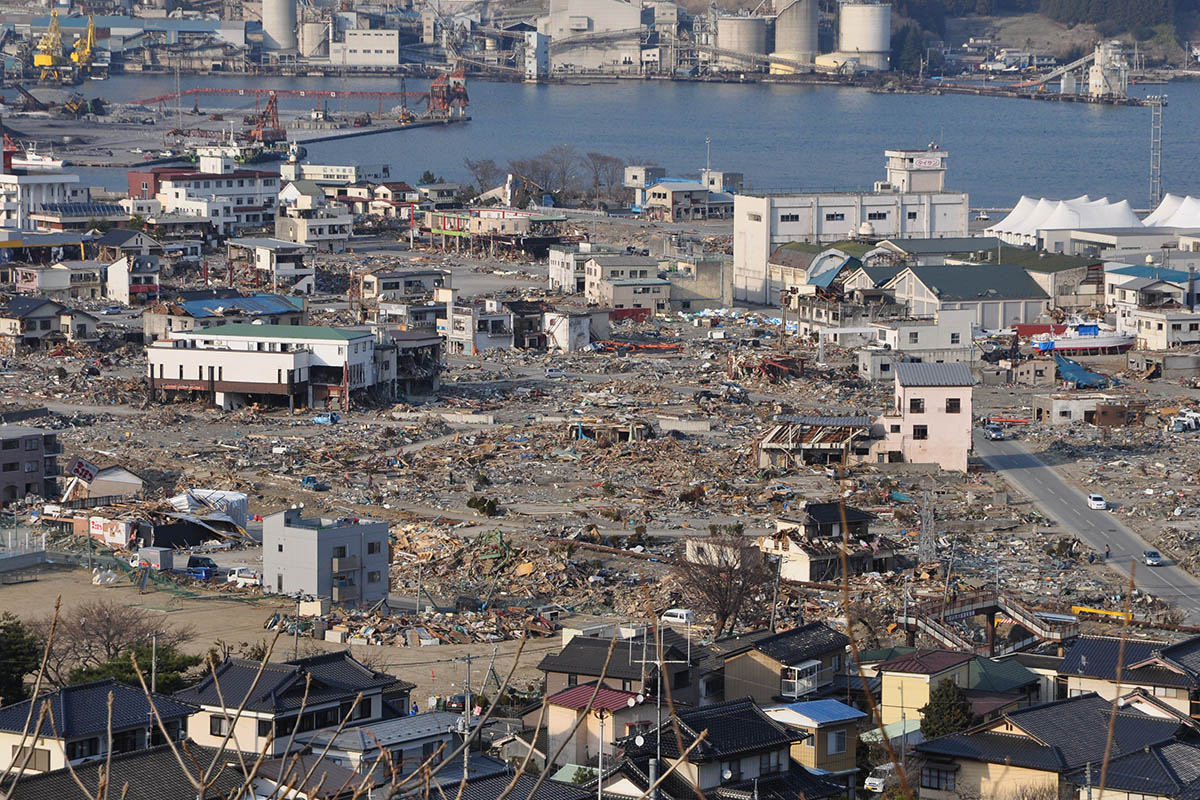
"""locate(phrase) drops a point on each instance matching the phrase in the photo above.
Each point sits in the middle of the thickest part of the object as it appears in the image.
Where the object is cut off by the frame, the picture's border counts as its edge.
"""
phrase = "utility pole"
(418, 588)
(658, 693)
(154, 661)
(466, 767)
(296, 630)
(1156, 103)
(775, 591)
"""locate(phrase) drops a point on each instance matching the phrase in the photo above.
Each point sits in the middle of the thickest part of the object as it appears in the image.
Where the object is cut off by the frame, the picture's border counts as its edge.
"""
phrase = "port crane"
(84, 50)
(49, 55)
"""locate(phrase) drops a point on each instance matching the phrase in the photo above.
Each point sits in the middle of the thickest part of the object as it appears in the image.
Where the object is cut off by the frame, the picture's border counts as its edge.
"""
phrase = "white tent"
(1022, 225)
(1175, 212)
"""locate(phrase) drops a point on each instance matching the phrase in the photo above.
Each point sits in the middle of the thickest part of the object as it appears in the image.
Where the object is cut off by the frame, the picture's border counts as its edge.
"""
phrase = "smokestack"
(1191, 287)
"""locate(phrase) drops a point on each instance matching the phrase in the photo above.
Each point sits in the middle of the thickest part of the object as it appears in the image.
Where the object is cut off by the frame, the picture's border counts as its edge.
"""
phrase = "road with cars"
(1069, 507)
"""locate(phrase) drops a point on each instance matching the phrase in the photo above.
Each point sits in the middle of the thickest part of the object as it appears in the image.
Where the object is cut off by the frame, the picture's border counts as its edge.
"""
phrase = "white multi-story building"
(606, 268)
(594, 34)
(22, 196)
(332, 176)
(306, 364)
(912, 202)
(471, 327)
(366, 48)
(566, 263)
(306, 216)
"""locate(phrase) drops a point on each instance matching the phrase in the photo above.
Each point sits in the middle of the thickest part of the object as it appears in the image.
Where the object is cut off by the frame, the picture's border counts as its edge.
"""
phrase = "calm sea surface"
(779, 136)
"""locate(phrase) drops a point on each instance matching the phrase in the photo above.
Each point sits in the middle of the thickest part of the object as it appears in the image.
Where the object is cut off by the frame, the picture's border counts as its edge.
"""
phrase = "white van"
(880, 778)
(678, 616)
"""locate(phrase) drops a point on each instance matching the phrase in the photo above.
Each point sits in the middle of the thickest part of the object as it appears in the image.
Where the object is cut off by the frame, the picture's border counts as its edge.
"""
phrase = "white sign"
(927, 163)
(83, 470)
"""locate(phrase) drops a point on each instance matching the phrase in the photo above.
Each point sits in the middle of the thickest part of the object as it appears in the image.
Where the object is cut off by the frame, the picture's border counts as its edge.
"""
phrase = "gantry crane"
(49, 55)
(84, 50)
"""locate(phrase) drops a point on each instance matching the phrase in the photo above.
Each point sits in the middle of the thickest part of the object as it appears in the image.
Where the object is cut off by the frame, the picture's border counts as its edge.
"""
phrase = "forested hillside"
(1115, 15)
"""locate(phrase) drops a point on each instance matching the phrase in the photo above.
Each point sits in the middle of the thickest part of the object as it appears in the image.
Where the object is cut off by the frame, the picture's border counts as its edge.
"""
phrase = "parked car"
(1096, 502)
(881, 778)
(1153, 558)
(555, 372)
(678, 616)
(202, 568)
(244, 577)
(109, 311)
(994, 433)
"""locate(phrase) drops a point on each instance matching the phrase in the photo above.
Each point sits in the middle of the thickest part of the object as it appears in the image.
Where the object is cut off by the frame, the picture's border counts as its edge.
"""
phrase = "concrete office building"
(344, 560)
(911, 202)
(28, 463)
(593, 34)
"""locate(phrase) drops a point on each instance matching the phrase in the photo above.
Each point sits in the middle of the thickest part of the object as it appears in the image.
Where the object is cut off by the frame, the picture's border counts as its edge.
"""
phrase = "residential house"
(744, 752)
(119, 243)
(35, 322)
(149, 774)
(419, 315)
(471, 328)
(608, 268)
(163, 320)
(673, 200)
(1129, 288)
(799, 441)
(931, 420)
(566, 265)
(133, 280)
(64, 280)
(926, 252)
(1169, 673)
(86, 481)
(787, 666)
(305, 364)
(442, 195)
(28, 463)
(1038, 749)
(810, 540)
(274, 262)
(391, 749)
(345, 560)
(305, 694)
(306, 216)
(831, 736)
(913, 202)
(393, 199)
(80, 216)
(947, 336)
(582, 660)
(909, 680)
(75, 727)
(310, 776)
(701, 282)
(799, 269)
(998, 295)
(607, 717)
(1163, 329)
(401, 284)
(1103, 409)
(528, 322)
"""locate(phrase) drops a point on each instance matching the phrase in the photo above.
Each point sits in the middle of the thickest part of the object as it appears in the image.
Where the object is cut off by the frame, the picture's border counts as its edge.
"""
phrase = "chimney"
(1191, 298)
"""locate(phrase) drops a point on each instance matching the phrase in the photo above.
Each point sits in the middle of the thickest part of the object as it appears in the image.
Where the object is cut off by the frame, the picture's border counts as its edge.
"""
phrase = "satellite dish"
(727, 774)
(639, 740)
(632, 701)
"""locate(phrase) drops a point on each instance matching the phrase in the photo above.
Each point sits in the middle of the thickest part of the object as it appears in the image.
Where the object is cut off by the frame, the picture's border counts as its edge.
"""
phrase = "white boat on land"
(30, 158)
(1084, 337)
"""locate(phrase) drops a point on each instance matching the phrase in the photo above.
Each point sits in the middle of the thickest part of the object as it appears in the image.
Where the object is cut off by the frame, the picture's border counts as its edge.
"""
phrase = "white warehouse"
(913, 202)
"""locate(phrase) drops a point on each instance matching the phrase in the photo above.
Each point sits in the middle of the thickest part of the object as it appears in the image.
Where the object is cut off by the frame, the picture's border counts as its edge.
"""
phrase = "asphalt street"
(1066, 504)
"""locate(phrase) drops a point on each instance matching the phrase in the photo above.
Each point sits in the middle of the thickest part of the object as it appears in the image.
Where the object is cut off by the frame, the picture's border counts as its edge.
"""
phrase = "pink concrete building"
(930, 422)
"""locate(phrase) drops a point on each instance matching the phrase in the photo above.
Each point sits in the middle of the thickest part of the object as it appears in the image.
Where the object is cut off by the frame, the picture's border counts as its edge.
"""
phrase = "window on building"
(754, 217)
(835, 217)
(1165, 691)
(920, 431)
(339, 551)
(799, 680)
(13, 467)
(875, 216)
(953, 405)
(218, 725)
(12, 444)
(916, 405)
(374, 548)
(733, 769)
(84, 748)
(768, 763)
(373, 576)
(789, 217)
(912, 215)
(914, 337)
(885, 367)
(894, 429)
(31, 466)
(937, 778)
(956, 338)
(572, 679)
(836, 742)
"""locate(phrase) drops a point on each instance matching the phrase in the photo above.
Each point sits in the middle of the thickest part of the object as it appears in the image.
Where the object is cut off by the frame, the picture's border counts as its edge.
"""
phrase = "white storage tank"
(796, 31)
(314, 40)
(279, 24)
(865, 31)
(741, 35)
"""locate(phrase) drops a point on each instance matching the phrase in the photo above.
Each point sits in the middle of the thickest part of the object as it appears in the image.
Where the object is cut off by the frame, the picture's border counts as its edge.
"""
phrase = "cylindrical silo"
(314, 40)
(741, 35)
(865, 31)
(796, 31)
(279, 24)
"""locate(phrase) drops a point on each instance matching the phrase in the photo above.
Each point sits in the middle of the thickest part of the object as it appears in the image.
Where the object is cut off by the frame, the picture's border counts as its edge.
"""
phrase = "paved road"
(1068, 506)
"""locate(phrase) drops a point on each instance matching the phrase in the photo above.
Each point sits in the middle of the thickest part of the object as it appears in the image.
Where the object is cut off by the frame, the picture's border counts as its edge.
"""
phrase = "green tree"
(20, 654)
(175, 669)
(136, 223)
(428, 177)
(948, 711)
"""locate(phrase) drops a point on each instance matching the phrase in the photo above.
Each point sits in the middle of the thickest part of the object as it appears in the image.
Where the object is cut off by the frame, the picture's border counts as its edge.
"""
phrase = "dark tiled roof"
(492, 786)
(1035, 660)
(796, 783)
(19, 307)
(336, 676)
(827, 513)
(82, 710)
(718, 651)
(584, 655)
(1096, 657)
(115, 237)
(802, 643)
(1171, 769)
(990, 282)
(734, 727)
(991, 675)
(1185, 655)
(1062, 735)
(141, 775)
(925, 662)
(316, 777)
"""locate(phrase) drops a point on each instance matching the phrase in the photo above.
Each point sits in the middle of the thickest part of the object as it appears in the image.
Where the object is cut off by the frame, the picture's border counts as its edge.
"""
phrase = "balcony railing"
(343, 594)
(344, 564)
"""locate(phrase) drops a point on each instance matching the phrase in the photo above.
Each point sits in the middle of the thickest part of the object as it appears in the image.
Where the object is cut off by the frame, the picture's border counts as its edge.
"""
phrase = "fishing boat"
(30, 158)
(1083, 337)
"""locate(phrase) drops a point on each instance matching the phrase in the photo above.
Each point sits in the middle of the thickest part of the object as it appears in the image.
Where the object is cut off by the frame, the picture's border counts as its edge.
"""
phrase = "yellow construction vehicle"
(49, 55)
(83, 51)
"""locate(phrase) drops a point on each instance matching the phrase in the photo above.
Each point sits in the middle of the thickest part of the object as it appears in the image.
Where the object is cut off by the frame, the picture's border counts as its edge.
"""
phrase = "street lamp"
(600, 714)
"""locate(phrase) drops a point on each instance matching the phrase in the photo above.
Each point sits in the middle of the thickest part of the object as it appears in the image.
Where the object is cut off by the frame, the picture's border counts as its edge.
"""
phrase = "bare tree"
(484, 172)
(96, 632)
(603, 168)
(562, 161)
(614, 175)
(721, 572)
